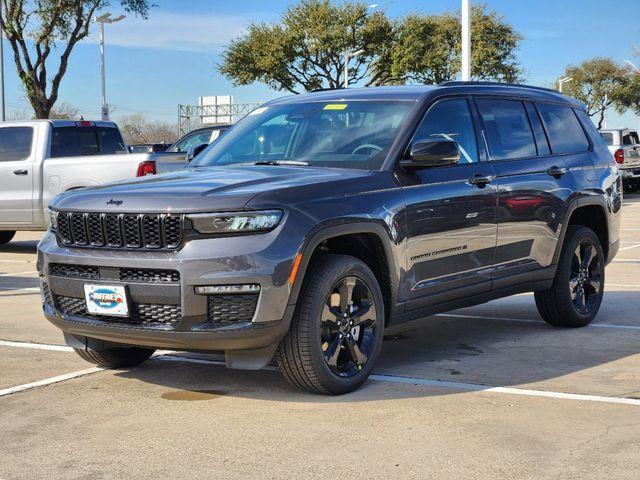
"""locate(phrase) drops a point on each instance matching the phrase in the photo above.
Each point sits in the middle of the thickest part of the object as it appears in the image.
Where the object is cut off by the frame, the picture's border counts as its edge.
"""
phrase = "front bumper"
(169, 314)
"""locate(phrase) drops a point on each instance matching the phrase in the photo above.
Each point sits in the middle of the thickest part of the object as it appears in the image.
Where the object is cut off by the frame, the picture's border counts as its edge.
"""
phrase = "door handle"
(21, 172)
(556, 171)
(480, 180)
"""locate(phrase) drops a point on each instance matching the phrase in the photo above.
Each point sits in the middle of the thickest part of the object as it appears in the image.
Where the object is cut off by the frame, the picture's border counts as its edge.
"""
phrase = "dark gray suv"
(321, 219)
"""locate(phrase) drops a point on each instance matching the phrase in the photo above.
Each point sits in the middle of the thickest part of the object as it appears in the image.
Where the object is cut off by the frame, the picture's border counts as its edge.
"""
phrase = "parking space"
(483, 392)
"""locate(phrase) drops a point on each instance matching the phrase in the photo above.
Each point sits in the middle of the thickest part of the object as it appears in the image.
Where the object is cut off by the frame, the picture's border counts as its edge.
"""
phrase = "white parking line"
(11, 274)
(166, 355)
(21, 289)
(540, 322)
(4, 260)
(49, 381)
(474, 387)
(630, 247)
(35, 346)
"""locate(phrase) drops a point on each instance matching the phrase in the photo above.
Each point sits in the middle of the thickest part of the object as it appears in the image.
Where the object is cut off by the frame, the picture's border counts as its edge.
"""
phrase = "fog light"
(226, 289)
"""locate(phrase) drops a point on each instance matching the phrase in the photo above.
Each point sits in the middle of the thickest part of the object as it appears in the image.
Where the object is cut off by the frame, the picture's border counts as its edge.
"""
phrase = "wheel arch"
(590, 212)
(353, 239)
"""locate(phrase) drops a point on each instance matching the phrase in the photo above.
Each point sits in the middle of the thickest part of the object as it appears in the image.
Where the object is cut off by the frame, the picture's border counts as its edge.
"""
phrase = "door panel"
(530, 214)
(451, 224)
(451, 233)
(16, 175)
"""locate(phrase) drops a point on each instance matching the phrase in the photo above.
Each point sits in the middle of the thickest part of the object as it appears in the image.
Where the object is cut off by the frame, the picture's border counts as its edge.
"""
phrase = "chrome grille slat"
(123, 230)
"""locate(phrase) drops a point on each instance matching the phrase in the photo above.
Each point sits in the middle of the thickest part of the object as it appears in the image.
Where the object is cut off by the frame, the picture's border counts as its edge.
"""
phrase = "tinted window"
(110, 141)
(340, 134)
(192, 141)
(451, 119)
(630, 138)
(563, 129)
(74, 142)
(536, 124)
(15, 143)
(608, 138)
(508, 129)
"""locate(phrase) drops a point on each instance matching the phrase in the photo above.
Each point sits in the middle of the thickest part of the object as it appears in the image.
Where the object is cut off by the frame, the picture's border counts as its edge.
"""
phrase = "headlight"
(53, 220)
(237, 222)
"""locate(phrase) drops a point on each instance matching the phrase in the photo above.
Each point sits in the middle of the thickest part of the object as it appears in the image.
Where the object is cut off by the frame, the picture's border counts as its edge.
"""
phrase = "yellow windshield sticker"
(335, 106)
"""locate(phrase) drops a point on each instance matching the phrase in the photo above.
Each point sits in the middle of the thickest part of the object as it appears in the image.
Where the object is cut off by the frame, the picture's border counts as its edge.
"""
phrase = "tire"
(117, 357)
(631, 187)
(325, 352)
(6, 236)
(576, 294)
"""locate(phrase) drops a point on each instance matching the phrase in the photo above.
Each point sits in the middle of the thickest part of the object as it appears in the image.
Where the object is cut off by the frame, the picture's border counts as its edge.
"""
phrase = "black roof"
(418, 92)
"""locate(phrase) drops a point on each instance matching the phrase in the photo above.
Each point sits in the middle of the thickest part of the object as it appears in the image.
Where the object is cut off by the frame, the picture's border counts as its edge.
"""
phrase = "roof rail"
(325, 89)
(497, 84)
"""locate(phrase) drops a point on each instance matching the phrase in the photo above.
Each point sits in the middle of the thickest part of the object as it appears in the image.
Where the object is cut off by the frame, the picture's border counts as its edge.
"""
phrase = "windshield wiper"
(282, 162)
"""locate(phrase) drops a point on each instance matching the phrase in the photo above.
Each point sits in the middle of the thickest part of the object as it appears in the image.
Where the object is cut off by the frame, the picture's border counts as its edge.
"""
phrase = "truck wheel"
(6, 237)
(631, 187)
(337, 328)
(117, 357)
(576, 294)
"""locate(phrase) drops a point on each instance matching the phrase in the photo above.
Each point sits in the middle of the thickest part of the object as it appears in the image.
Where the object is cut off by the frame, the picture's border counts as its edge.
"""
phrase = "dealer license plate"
(106, 300)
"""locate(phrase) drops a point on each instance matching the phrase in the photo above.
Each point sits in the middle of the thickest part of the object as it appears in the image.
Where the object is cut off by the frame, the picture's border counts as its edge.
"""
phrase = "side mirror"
(432, 153)
(194, 151)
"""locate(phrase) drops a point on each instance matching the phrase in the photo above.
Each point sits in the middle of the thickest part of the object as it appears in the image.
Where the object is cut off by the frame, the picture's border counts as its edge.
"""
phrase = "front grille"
(47, 299)
(142, 314)
(74, 271)
(149, 275)
(124, 230)
(133, 275)
(232, 308)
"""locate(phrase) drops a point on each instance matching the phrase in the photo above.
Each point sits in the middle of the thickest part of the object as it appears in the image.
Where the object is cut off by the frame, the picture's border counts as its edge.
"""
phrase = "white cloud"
(202, 33)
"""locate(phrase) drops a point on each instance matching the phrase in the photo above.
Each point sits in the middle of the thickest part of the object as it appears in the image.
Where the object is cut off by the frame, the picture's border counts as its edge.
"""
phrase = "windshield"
(339, 134)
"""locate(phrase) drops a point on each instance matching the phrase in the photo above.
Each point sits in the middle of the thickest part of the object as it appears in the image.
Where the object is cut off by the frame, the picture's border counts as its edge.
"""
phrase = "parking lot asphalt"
(484, 392)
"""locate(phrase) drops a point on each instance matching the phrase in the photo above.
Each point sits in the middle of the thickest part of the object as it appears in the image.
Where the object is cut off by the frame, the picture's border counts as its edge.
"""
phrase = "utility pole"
(102, 19)
(466, 40)
(348, 55)
(3, 113)
(562, 81)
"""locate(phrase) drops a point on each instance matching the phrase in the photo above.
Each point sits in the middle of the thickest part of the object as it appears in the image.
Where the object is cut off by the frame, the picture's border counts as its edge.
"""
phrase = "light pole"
(349, 54)
(562, 81)
(102, 19)
(466, 40)
(3, 109)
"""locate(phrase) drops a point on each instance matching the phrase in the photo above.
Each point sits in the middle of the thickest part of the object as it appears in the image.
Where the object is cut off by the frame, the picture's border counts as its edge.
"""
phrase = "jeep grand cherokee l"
(321, 219)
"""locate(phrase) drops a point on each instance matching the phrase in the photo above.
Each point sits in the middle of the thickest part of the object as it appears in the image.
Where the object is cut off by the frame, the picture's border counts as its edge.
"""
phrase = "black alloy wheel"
(337, 328)
(574, 298)
(586, 277)
(348, 327)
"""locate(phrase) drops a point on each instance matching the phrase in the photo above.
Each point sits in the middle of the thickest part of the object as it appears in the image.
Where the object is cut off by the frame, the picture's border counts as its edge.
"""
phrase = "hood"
(198, 189)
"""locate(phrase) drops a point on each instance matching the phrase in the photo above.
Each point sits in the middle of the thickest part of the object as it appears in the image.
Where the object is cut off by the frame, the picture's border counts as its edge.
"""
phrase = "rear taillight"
(619, 156)
(146, 168)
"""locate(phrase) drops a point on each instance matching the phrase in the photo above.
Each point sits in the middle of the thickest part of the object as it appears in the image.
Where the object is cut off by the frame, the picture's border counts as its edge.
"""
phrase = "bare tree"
(36, 28)
(137, 128)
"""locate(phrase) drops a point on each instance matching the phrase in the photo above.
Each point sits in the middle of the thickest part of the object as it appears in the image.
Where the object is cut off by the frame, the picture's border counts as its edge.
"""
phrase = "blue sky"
(153, 65)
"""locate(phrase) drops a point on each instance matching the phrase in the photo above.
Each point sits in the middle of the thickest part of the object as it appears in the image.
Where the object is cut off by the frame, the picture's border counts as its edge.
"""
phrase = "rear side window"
(508, 129)
(563, 129)
(630, 138)
(608, 138)
(15, 143)
(110, 141)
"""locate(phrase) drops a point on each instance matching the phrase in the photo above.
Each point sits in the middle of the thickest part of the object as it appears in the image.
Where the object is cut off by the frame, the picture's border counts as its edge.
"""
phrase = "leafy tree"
(428, 48)
(304, 50)
(36, 28)
(601, 83)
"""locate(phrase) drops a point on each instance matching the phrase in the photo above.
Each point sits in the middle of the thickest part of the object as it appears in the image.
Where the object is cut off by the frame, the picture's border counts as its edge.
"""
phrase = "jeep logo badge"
(117, 203)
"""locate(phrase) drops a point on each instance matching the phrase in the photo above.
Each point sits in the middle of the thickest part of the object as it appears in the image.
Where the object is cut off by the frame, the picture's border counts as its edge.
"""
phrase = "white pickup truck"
(624, 145)
(42, 158)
